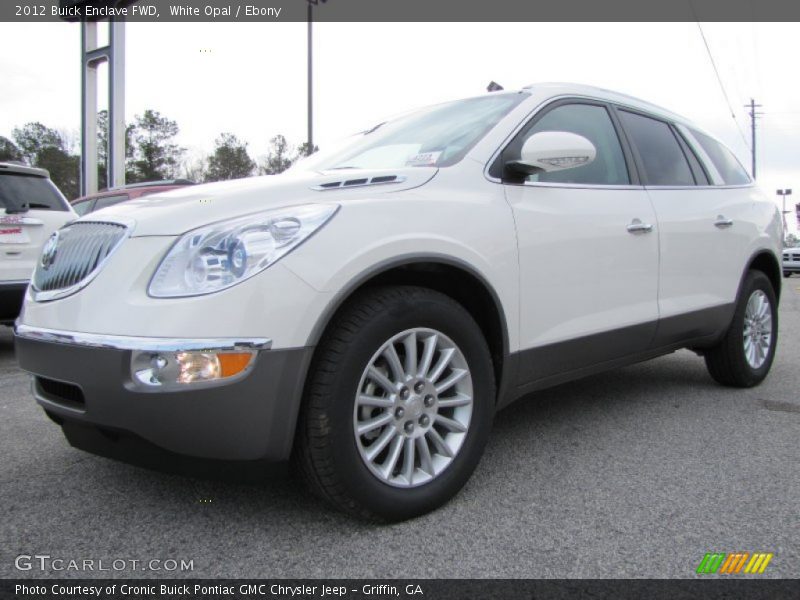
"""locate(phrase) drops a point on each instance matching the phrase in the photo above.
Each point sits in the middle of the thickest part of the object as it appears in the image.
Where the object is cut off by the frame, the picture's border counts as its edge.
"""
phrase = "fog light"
(174, 370)
(198, 366)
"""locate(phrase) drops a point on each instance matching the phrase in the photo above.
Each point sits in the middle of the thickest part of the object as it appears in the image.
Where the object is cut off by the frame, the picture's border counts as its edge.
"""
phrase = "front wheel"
(398, 406)
(787, 274)
(744, 355)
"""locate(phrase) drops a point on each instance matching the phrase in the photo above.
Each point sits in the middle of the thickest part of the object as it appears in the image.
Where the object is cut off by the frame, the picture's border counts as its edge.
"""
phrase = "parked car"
(367, 312)
(31, 209)
(791, 261)
(112, 196)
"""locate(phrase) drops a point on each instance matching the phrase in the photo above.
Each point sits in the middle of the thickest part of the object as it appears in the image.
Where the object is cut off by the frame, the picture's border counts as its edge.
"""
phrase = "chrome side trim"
(14, 282)
(578, 186)
(154, 344)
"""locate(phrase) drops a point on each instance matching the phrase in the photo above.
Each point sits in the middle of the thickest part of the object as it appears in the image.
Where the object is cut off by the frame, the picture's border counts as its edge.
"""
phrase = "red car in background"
(92, 202)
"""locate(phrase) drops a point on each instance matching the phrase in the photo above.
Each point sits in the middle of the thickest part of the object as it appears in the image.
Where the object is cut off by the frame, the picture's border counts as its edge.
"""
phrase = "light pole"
(783, 194)
(310, 140)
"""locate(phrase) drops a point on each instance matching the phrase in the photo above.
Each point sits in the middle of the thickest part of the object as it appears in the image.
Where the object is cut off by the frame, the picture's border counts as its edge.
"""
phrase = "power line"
(719, 80)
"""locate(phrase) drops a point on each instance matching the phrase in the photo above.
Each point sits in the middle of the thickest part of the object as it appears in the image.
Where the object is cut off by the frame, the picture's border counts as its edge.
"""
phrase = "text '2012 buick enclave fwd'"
(367, 312)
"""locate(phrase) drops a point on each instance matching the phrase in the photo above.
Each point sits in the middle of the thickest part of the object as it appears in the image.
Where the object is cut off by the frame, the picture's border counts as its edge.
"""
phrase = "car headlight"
(218, 256)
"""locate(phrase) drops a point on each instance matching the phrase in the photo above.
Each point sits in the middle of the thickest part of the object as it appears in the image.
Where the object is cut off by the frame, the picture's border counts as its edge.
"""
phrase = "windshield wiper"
(368, 131)
(16, 210)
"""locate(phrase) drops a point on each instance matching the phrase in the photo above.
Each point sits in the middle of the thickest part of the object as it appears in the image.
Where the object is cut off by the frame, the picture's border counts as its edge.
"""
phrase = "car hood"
(184, 209)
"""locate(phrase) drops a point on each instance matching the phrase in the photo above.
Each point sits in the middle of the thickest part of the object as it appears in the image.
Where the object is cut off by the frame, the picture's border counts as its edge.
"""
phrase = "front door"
(588, 251)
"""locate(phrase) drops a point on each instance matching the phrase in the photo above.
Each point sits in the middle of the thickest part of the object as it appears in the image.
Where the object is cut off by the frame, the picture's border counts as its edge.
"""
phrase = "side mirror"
(549, 151)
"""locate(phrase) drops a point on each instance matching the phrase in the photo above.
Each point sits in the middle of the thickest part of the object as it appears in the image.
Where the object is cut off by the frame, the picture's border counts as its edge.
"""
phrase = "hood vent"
(361, 182)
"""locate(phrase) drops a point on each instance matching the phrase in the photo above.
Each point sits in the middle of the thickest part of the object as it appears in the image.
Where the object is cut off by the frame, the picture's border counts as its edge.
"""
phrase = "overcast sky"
(250, 79)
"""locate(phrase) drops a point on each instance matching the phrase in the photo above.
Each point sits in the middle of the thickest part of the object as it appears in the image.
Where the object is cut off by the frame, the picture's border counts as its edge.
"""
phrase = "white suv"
(367, 312)
(31, 209)
(791, 261)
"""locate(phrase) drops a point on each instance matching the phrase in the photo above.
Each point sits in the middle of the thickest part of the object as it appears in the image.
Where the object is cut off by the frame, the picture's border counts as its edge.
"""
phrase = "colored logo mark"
(734, 562)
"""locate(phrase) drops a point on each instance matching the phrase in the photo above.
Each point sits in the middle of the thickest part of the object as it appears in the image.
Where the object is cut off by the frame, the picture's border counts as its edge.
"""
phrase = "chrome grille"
(73, 256)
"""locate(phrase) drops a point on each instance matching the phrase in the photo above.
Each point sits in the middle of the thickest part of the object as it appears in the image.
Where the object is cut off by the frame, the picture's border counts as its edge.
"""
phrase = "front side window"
(662, 158)
(593, 123)
(437, 136)
(728, 167)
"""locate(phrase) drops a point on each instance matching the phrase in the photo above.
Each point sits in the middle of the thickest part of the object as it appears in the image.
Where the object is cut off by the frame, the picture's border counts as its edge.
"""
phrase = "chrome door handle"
(637, 226)
(722, 222)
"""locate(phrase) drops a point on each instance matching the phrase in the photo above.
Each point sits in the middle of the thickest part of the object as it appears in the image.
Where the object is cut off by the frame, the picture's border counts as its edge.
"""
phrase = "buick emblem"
(49, 252)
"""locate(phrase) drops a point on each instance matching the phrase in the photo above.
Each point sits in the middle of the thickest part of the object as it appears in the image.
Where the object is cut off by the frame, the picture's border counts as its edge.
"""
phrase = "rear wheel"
(744, 355)
(398, 406)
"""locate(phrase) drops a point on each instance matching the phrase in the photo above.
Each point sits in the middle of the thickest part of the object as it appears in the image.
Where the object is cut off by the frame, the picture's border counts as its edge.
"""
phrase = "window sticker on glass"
(424, 159)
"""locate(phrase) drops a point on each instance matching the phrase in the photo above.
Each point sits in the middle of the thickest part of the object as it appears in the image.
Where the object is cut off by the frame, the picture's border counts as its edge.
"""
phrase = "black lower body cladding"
(88, 391)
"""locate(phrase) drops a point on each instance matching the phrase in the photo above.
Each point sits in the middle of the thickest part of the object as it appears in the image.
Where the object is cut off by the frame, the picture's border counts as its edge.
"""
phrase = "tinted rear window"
(19, 191)
(726, 163)
(663, 160)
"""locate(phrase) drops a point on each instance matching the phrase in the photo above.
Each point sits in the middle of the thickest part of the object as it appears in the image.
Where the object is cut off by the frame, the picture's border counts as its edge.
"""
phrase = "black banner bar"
(741, 588)
(245, 11)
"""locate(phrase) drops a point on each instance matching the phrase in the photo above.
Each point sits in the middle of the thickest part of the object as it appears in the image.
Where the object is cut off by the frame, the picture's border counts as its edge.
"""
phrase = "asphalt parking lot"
(634, 473)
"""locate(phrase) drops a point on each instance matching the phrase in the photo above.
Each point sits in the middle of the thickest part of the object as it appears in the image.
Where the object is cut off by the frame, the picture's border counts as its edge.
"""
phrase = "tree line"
(151, 153)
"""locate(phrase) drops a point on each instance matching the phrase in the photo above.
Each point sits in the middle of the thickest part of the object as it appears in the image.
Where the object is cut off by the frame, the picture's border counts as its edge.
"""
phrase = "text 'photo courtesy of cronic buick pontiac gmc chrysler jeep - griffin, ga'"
(365, 314)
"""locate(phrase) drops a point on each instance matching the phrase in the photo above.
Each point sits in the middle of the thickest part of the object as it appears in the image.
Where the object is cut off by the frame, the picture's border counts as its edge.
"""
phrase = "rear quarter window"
(19, 191)
(727, 165)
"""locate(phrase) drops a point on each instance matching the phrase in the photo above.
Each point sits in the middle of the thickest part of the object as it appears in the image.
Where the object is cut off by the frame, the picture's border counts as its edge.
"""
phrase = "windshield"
(437, 136)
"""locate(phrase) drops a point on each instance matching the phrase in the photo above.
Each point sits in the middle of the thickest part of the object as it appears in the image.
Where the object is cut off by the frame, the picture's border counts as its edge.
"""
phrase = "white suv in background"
(31, 209)
(791, 261)
(367, 312)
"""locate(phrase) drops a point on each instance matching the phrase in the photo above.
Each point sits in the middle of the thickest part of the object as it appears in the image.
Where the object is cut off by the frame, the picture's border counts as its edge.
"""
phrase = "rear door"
(703, 230)
(31, 209)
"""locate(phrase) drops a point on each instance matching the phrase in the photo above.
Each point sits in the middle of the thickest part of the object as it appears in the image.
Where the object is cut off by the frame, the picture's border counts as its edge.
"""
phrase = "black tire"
(726, 362)
(326, 448)
(787, 274)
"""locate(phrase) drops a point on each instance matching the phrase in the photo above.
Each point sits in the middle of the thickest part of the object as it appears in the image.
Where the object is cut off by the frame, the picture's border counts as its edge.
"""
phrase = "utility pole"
(310, 140)
(310, 51)
(753, 114)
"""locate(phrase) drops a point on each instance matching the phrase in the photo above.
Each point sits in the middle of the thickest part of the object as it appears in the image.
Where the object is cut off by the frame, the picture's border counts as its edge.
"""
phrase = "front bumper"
(12, 293)
(85, 385)
(791, 267)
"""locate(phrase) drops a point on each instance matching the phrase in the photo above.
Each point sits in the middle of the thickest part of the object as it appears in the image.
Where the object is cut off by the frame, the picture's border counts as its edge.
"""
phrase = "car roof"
(13, 167)
(577, 89)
